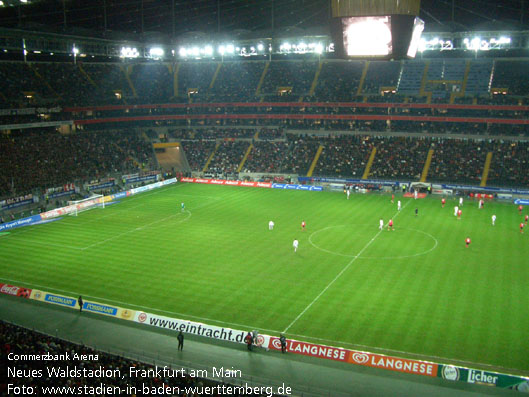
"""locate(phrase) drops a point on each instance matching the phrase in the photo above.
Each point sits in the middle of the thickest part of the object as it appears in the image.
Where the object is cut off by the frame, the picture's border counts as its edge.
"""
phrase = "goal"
(77, 206)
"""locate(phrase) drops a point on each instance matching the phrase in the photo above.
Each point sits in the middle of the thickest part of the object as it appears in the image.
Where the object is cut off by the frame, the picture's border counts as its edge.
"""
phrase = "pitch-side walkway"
(307, 376)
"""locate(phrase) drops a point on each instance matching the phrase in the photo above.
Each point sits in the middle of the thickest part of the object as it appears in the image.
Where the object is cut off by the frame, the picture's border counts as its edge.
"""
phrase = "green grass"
(414, 292)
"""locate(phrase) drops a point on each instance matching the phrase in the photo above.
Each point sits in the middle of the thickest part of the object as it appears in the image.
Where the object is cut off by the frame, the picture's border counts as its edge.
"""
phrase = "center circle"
(353, 241)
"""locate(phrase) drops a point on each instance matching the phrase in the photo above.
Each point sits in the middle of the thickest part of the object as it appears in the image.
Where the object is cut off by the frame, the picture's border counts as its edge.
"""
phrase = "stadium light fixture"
(156, 52)
(318, 49)
(129, 52)
(195, 51)
(475, 43)
(1, 3)
(260, 47)
(208, 50)
(230, 49)
(182, 52)
(222, 50)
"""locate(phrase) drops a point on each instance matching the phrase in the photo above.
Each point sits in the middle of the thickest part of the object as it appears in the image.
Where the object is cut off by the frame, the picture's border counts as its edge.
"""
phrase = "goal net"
(78, 206)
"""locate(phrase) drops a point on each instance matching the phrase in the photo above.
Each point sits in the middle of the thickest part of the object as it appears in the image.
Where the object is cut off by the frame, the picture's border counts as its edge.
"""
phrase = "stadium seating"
(381, 74)
(228, 157)
(512, 75)
(399, 158)
(344, 156)
(237, 81)
(266, 157)
(194, 79)
(85, 83)
(296, 76)
(197, 152)
(18, 340)
(338, 81)
(152, 82)
(411, 78)
(48, 159)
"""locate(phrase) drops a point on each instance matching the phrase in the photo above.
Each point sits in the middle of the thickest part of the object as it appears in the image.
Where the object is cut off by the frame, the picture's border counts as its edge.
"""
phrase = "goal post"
(77, 206)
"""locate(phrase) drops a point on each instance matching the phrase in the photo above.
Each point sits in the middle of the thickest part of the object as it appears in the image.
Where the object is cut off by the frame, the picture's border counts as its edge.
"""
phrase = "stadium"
(298, 197)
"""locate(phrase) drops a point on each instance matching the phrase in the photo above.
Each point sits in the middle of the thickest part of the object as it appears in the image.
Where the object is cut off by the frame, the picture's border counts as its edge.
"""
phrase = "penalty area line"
(339, 274)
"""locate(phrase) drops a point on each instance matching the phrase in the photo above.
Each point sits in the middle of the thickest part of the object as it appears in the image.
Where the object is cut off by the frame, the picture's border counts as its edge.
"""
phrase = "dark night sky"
(201, 15)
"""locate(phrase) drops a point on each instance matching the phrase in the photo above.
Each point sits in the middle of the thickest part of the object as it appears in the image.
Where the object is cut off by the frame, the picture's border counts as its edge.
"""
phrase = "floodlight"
(260, 47)
(230, 49)
(475, 43)
(1, 3)
(208, 50)
(222, 50)
(75, 50)
(156, 52)
(195, 51)
(318, 49)
(182, 52)
(505, 40)
(128, 52)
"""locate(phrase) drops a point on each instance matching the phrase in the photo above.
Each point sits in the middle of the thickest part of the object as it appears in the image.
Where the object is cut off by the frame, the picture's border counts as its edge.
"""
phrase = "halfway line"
(339, 274)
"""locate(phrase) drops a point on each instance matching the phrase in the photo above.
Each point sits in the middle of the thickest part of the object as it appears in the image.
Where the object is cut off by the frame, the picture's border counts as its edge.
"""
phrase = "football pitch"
(415, 292)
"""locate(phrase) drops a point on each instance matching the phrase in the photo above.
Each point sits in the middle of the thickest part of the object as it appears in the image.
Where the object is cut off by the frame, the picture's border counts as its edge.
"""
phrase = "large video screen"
(367, 36)
(418, 27)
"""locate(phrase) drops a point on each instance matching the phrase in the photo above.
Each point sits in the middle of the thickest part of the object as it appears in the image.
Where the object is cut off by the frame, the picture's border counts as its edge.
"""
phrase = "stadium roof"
(246, 18)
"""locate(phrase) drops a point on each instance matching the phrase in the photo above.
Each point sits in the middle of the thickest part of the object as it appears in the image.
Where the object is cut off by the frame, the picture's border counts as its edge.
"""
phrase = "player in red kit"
(520, 208)
(467, 242)
(459, 212)
(526, 218)
(390, 224)
(521, 227)
(392, 198)
(443, 202)
(303, 225)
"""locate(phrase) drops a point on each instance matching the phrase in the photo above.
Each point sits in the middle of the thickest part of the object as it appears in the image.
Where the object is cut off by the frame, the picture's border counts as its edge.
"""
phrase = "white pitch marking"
(127, 305)
(135, 229)
(339, 274)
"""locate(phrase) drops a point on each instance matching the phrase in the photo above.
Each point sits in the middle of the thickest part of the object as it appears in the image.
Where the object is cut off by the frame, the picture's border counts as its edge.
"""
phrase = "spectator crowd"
(21, 341)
